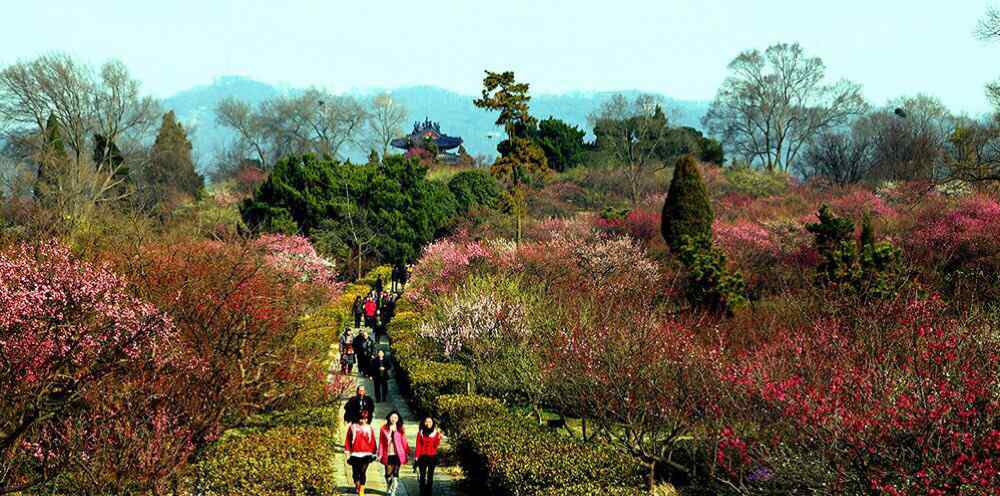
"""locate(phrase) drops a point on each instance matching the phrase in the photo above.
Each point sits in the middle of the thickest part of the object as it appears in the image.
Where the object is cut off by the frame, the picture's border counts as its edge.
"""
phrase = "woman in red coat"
(393, 449)
(360, 450)
(426, 458)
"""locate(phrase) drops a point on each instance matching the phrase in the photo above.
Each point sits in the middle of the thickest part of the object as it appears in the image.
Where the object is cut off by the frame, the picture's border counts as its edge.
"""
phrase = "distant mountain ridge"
(454, 111)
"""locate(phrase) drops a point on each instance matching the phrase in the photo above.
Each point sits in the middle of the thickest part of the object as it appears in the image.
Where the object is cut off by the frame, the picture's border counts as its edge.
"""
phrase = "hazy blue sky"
(676, 47)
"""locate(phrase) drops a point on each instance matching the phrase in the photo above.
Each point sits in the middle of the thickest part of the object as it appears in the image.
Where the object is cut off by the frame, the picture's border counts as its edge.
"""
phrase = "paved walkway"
(444, 477)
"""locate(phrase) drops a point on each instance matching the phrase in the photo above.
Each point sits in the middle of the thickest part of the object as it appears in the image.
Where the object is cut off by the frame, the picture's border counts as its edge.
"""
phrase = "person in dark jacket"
(389, 308)
(381, 368)
(363, 349)
(358, 403)
(359, 310)
(378, 285)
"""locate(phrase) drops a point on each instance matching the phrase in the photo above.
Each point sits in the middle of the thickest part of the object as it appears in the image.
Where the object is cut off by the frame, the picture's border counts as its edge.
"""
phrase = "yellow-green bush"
(326, 416)
(424, 380)
(281, 461)
(454, 410)
(592, 489)
(383, 270)
(755, 182)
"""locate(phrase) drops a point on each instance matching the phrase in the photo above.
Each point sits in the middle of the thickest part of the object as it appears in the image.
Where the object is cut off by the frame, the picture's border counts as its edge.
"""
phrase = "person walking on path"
(360, 448)
(346, 352)
(426, 458)
(381, 370)
(370, 308)
(363, 348)
(378, 285)
(393, 449)
(359, 405)
(358, 309)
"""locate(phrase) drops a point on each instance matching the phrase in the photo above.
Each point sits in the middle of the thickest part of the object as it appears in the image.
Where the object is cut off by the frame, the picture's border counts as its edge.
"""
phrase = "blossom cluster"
(296, 256)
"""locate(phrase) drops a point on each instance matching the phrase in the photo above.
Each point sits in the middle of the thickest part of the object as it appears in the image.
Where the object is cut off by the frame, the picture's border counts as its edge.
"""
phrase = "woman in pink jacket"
(393, 449)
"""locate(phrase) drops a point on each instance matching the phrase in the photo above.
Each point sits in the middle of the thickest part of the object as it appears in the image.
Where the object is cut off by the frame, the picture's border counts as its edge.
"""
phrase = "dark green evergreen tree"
(473, 188)
(710, 284)
(862, 266)
(687, 210)
(109, 159)
(171, 174)
(563, 144)
(52, 157)
(392, 208)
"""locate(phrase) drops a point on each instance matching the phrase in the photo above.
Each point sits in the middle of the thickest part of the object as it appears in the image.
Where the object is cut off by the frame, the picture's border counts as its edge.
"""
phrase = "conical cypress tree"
(52, 157)
(687, 210)
(172, 169)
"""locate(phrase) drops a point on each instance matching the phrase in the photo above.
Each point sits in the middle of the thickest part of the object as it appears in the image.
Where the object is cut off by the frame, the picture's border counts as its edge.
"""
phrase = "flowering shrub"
(72, 338)
(296, 256)
(961, 245)
(444, 264)
(859, 202)
(900, 401)
(237, 319)
(480, 316)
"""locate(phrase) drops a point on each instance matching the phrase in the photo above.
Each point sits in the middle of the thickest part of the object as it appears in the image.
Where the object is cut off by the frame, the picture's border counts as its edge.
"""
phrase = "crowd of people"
(389, 446)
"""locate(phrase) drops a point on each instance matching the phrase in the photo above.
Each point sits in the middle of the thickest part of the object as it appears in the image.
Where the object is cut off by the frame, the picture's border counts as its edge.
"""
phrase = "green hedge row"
(279, 461)
(421, 378)
(514, 456)
(591, 489)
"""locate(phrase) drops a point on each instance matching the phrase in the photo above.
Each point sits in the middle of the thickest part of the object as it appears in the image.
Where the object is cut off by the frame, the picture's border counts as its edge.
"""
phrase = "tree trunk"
(518, 241)
(583, 424)
(651, 476)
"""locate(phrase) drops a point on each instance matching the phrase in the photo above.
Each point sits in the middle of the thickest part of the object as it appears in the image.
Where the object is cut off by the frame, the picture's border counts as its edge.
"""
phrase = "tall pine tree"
(171, 175)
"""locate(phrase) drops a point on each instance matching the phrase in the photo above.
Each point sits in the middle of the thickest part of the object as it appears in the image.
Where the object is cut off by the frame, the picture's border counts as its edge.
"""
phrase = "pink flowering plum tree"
(70, 337)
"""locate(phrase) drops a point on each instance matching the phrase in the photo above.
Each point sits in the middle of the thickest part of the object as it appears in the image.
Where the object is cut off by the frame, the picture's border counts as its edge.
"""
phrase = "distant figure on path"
(358, 309)
(380, 371)
(346, 352)
(392, 450)
(378, 285)
(360, 448)
(360, 404)
(363, 349)
(370, 308)
(426, 458)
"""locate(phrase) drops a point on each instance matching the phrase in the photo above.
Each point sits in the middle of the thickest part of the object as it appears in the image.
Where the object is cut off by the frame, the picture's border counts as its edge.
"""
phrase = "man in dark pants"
(380, 370)
(363, 349)
(358, 403)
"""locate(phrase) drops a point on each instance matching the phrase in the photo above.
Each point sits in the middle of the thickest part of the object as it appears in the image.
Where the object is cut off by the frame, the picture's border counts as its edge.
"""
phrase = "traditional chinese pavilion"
(425, 133)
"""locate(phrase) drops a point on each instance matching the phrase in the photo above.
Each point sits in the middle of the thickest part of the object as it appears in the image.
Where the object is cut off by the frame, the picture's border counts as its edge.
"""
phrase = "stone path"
(444, 479)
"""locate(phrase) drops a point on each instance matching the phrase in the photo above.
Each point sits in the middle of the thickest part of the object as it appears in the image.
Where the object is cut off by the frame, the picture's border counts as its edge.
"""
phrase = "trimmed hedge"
(302, 417)
(454, 410)
(280, 461)
(591, 489)
(420, 378)
(515, 456)
(424, 380)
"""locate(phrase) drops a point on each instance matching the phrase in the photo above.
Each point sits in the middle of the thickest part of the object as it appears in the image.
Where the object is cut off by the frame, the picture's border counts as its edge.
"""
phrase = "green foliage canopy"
(475, 187)
(391, 206)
